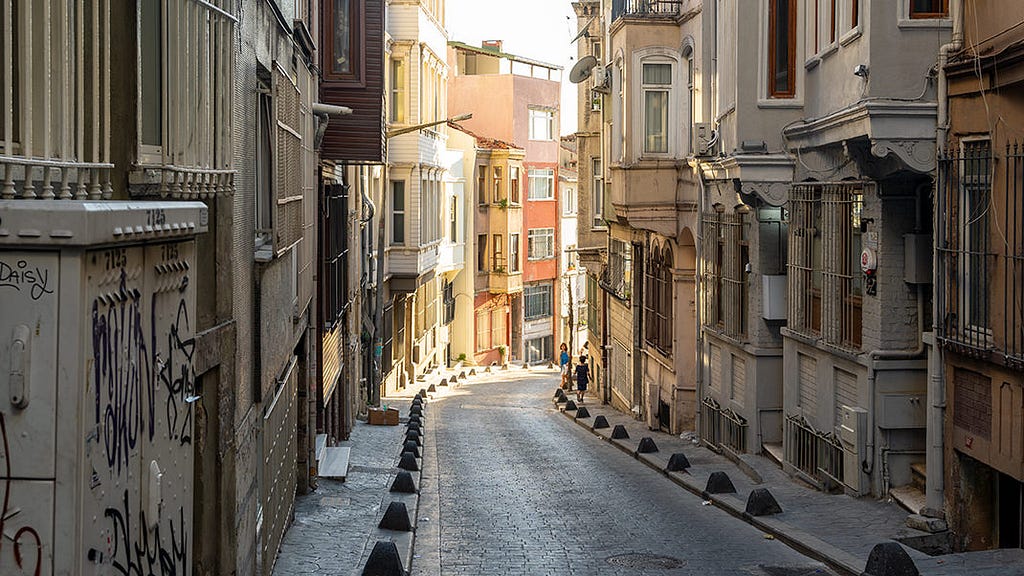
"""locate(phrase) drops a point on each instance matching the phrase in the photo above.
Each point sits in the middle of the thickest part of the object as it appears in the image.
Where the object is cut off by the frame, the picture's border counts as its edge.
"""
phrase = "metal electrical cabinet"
(97, 387)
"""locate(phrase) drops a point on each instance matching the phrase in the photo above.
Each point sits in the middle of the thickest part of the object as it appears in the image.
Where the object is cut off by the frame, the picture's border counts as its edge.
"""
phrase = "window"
(620, 269)
(593, 301)
(540, 349)
(569, 201)
(264, 171)
(481, 252)
(657, 81)
(725, 286)
(454, 232)
(398, 91)
(973, 220)
(825, 287)
(542, 184)
(781, 48)
(498, 327)
(481, 184)
(929, 8)
(597, 192)
(540, 244)
(398, 212)
(448, 298)
(334, 263)
(513, 185)
(343, 39)
(483, 330)
(542, 124)
(513, 253)
(497, 256)
(497, 184)
(854, 13)
(658, 299)
(537, 301)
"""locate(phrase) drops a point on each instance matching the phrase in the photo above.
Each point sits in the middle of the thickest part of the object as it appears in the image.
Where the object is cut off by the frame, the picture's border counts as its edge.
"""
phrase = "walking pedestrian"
(582, 379)
(563, 364)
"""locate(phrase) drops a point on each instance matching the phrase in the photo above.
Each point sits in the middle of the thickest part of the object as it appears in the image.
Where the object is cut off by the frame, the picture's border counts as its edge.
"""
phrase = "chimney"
(492, 45)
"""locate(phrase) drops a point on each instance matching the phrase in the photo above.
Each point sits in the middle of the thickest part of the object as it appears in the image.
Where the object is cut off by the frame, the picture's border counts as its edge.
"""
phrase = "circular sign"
(868, 260)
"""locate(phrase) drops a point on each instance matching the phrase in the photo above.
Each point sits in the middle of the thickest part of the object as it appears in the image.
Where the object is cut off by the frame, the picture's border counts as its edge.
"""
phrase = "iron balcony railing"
(722, 427)
(816, 454)
(645, 8)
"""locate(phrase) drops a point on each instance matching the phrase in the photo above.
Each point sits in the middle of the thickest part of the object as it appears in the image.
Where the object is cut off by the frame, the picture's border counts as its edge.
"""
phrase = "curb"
(842, 562)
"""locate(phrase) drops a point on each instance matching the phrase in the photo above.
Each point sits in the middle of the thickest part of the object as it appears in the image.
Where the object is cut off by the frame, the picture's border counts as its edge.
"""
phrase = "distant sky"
(536, 29)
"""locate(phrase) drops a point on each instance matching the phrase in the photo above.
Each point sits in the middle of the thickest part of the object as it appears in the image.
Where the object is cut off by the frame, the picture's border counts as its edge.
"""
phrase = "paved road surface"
(521, 490)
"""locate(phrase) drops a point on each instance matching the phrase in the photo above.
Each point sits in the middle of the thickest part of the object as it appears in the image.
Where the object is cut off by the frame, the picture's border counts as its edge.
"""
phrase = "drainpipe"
(934, 458)
(699, 284)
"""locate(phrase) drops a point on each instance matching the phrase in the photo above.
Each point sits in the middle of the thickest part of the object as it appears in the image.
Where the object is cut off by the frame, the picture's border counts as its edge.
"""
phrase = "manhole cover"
(645, 561)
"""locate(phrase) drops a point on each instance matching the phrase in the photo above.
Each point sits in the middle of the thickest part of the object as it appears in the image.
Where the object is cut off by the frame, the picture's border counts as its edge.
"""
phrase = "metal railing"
(816, 454)
(645, 8)
(722, 427)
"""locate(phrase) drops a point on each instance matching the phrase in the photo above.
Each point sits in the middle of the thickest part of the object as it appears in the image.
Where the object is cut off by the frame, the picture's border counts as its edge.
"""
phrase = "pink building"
(516, 100)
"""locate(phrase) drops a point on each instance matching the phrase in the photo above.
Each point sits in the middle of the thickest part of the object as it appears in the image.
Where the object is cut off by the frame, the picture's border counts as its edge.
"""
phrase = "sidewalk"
(335, 526)
(836, 529)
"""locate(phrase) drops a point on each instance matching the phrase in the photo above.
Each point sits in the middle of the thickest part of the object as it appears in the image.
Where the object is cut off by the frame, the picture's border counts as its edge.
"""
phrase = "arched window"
(658, 299)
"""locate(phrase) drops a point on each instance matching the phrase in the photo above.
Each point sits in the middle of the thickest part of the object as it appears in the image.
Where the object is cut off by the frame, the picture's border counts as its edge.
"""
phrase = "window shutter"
(288, 193)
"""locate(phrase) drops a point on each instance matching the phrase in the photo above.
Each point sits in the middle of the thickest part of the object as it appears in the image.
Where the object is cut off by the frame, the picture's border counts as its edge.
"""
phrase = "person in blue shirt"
(563, 363)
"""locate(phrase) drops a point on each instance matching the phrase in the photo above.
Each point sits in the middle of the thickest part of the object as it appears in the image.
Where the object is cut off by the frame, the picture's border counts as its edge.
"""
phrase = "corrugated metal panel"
(845, 392)
(277, 490)
(716, 367)
(808, 383)
(739, 379)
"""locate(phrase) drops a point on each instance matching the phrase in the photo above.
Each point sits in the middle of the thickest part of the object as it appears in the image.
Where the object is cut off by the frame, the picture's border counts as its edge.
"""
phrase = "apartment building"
(591, 227)
(979, 241)
(174, 144)
(522, 112)
(422, 258)
(572, 311)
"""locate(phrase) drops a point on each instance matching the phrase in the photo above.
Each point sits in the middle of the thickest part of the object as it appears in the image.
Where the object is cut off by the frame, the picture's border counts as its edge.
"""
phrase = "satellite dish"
(582, 70)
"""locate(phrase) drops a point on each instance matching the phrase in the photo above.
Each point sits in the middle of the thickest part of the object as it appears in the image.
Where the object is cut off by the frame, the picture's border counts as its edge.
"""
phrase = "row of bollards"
(886, 559)
(384, 559)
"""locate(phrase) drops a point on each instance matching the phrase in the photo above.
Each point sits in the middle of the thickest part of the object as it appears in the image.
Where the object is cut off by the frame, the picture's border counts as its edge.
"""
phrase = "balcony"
(451, 257)
(646, 9)
(505, 282)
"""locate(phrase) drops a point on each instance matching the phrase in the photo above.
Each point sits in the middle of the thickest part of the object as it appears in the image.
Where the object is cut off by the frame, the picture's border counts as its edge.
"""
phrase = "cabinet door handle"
(21, 346)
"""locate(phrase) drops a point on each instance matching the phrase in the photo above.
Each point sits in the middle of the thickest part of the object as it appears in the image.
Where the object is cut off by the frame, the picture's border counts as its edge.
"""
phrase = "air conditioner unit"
(599, 77)
(853, 436)
(703, 138)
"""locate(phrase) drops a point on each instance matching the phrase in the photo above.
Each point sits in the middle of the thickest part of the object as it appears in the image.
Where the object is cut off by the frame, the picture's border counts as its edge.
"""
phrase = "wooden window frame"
(357, 75)
(928, 15)
(791, 91)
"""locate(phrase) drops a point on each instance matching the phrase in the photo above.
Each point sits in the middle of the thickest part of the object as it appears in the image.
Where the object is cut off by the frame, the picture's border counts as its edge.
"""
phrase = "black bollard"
(619, 432)
(404, 483)
(677, 463)
(719, 483)
(384, 561)
(647, 446)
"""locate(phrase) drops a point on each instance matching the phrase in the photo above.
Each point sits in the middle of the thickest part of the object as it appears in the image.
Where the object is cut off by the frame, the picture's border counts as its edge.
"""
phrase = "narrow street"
(522, 490)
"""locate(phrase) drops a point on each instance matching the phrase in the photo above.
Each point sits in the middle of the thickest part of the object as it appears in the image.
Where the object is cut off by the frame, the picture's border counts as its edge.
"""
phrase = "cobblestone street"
(520, 489)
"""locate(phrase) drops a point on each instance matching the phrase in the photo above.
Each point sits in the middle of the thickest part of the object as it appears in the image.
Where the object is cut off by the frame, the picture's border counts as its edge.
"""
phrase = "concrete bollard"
(559, 393)
(472, 371)
(677, 463)
(462, 375)
(647, 446)
(404, 483)
(443, 382)
(408, 462)
(570, 405)
(423, 393)
(396, 517)
(619, 432)
(551, 365)
(413, 426)
(600, 422)
(415, 436)
(719, 483)
(384, 561)
(431, 388)
(416, 412)
(582, 413)
(487, 370)
(561, 399)
(890, 559)
(762, 503)
(411, 446)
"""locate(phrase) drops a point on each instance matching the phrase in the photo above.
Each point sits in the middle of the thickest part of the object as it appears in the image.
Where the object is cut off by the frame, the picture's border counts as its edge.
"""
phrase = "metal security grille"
(981, 250)
(277, 489)
(537, 301)
(734, 279)
(288, 181)
(722, 427)
(712, 269)
(824, 251)
(845, 392)
(808, 383)
(816, 454)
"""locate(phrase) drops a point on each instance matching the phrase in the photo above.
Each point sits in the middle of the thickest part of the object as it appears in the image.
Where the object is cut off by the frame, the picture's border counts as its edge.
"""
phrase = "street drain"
(645, 561)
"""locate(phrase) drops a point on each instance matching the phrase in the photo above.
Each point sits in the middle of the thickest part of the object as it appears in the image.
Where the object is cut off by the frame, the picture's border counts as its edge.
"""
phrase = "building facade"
(980, 282)
(572, 312)
(523, 102)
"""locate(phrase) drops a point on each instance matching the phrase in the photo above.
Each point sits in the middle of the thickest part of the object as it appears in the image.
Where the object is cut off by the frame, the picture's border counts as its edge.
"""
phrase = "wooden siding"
(359, 137)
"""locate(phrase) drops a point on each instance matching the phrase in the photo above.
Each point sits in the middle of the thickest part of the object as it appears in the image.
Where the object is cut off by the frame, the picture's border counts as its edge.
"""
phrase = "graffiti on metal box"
(21, 276)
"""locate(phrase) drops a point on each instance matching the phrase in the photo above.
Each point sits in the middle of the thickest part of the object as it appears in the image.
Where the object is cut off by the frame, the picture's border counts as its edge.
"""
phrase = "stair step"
(335, 462)
(909, 497)
(774, 452)
(919, 475)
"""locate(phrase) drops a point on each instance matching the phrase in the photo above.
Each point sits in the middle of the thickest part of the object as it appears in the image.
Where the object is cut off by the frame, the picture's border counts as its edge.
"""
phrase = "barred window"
(825, 281)
(537, 301)
(725, 289)
(593, 300)
(620, 268)
(658, 299)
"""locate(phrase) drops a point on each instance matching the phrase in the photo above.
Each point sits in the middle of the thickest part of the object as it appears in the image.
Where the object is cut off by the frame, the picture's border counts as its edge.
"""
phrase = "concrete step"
(909, 497)
(335, 462)
(321, 445)
(919, 475)
(774, 452)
